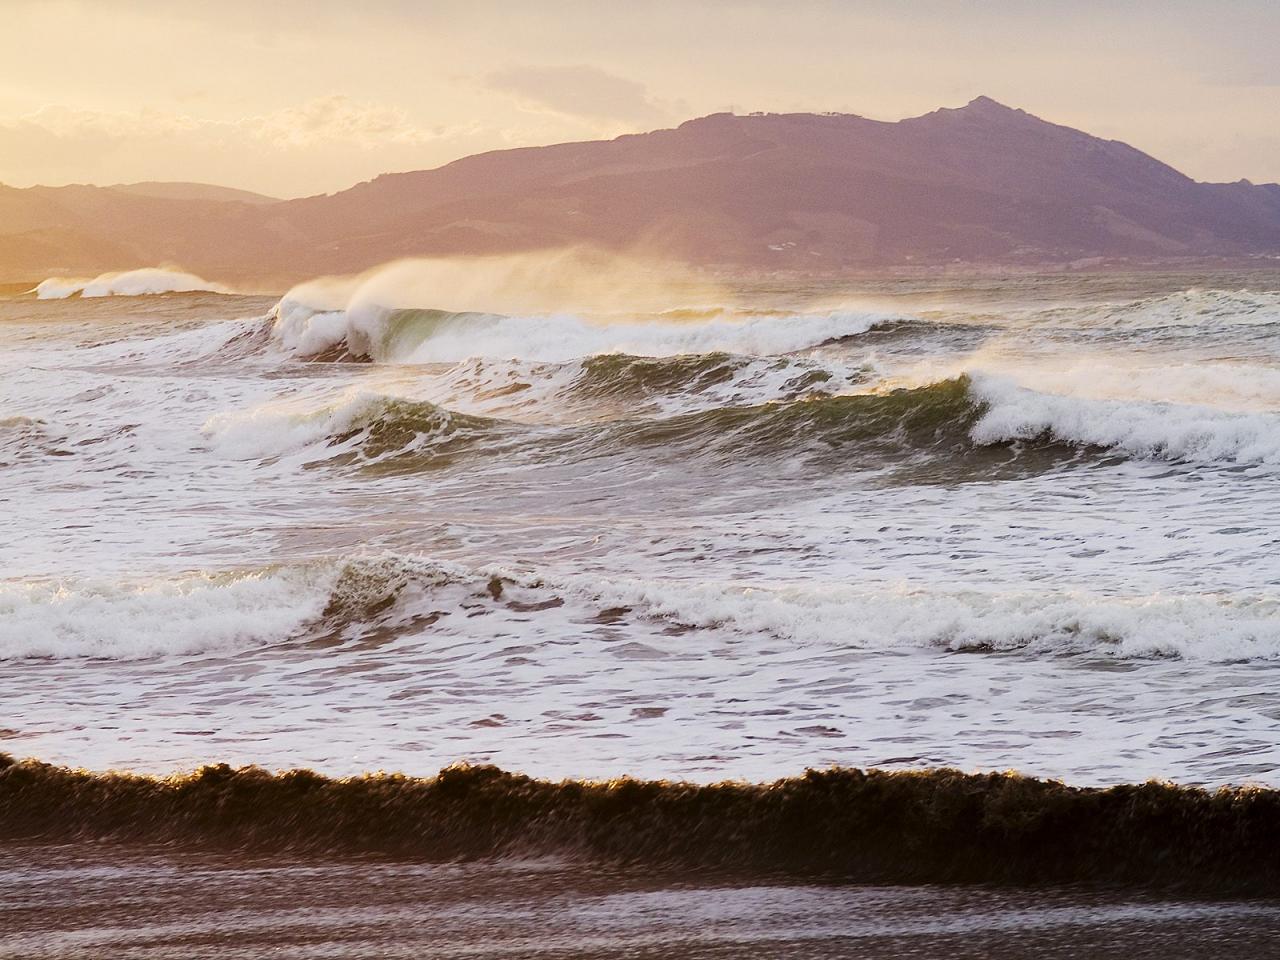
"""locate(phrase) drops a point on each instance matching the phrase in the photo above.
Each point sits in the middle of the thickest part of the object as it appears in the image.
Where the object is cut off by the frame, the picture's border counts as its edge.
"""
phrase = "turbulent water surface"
(1023, 524)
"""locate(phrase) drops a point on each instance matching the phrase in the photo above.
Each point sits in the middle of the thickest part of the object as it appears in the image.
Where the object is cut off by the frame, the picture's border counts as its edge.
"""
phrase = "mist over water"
(579, 518)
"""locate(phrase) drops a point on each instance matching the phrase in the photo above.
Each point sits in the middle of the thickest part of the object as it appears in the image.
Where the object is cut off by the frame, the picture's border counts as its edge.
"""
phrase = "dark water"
(85, 901)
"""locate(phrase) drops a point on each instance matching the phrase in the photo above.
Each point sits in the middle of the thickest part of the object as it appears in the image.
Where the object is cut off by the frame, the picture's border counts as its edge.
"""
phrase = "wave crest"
(1141, 429)
(438, 336)
(129, 283)
(399, 596)
(361, 427)
(868, 826)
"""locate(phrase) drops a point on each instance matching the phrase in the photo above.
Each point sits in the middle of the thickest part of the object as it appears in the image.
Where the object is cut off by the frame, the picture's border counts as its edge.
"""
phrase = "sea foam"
(432, 336)
(129, 283)
(1137, 428)
(125, 620)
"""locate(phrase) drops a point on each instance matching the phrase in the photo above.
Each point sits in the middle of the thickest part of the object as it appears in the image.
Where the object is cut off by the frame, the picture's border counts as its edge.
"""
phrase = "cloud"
(321, 144)
(325, 120)
(339, 118)
(584, 92)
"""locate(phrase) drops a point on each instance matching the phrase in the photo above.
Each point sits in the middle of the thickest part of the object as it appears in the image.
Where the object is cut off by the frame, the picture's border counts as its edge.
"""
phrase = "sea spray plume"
(575, 279)
(129, 283)
(550, 306)
(871, 826)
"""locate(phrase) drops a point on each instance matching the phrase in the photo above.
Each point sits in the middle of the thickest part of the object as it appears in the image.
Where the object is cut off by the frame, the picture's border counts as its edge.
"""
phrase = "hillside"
(981, 184)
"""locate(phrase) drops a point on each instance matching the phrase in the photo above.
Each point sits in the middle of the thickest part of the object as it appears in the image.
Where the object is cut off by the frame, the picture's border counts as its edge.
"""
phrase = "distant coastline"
(976, 189)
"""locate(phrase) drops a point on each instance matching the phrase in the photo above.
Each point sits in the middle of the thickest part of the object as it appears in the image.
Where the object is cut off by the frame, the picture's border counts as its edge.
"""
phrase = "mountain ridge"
(981, 184)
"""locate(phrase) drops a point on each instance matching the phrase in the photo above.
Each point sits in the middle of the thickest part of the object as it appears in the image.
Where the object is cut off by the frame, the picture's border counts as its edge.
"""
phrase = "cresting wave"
(1142, 429)
(402, 596)
(368, 428)
(359, 428)
(621, 386)
(203, 613)
(1193, 307)
(438, 336)
(948, 421)
(128, 283)
(865, 826)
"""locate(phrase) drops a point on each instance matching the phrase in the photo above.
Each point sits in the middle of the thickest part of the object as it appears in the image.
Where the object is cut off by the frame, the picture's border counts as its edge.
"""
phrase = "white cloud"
(343, 140)
(334, 119)
(340, 119)
(581, 91)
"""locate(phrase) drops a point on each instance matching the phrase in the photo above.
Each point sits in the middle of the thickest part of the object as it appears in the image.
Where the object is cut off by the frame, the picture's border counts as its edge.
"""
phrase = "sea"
(590, 522)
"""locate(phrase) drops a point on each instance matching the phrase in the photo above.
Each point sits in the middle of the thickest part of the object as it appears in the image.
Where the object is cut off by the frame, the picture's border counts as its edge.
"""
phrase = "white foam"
(1200, 627)
(277, 429)
(129, 283)
(1194, 307)
(202, 613)
(444, 338)
(537, 392)
(1229, 386)
(181, 615)
(1158, 430)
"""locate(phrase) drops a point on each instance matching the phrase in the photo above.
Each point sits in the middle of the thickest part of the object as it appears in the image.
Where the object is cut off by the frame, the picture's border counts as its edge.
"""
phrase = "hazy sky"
(291, 97)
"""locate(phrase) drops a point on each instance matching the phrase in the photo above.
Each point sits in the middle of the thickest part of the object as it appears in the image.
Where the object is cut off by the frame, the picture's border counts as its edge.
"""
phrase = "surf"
(148, 281)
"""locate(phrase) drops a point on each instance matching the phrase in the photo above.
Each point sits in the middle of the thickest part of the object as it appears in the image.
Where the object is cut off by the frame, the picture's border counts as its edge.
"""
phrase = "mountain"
(983, 184)
(175, 190)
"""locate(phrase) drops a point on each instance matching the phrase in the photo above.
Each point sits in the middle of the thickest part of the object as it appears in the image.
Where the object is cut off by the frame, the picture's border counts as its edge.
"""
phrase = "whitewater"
(697, 531)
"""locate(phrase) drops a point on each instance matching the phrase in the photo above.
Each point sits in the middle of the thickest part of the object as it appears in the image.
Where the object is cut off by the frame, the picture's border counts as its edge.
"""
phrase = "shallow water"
(719, 546)
(144, 903)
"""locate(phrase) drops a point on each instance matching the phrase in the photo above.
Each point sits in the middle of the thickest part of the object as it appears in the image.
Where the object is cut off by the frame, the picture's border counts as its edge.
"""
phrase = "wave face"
(948, 424)
(129, 283)
(869, 827)
(583, 518)
(362, 428)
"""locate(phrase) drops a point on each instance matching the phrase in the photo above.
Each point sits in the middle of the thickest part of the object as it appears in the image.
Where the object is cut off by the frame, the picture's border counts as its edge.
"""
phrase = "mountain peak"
(986, 103)
(979, 108)
(987, 108)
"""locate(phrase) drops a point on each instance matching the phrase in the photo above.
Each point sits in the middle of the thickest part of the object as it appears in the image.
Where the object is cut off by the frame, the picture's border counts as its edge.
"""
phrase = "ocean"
(728, 531)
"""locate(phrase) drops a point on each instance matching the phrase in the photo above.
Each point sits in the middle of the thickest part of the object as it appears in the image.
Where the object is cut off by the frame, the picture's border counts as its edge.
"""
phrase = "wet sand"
(99, 901)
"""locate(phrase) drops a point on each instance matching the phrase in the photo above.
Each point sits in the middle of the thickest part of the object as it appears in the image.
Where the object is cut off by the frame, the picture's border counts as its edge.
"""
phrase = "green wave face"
(919, 434)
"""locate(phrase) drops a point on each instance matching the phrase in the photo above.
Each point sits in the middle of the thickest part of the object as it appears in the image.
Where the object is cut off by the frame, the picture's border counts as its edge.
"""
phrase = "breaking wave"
(1141, 429)
(867, 430)
(124, 621)
(361, 427)
(869, 826)
(948, 422)
(1194, 307)
(336, 601)
(1047, 624)
(129, 283)
(438, 336)
(208, 612)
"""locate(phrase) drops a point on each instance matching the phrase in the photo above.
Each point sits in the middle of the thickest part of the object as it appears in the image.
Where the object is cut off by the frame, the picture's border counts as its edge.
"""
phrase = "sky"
(293, 98)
